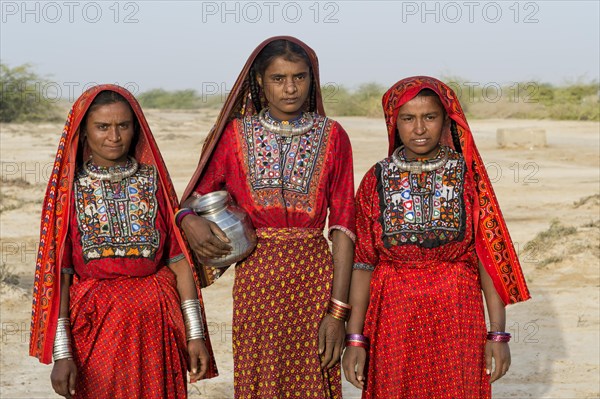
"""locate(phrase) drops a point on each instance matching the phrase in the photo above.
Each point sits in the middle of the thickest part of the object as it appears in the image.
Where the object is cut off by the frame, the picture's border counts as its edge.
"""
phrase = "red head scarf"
(493, 244)
(56, 215)
(239, 104)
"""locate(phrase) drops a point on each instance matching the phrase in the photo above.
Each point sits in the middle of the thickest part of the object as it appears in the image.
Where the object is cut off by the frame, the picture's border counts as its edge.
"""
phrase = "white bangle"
(194, 328)
(62, 340)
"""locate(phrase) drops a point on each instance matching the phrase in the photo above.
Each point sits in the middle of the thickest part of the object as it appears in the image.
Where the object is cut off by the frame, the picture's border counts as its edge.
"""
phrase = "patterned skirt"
(280, 295)
(129, 338)
(427, 329)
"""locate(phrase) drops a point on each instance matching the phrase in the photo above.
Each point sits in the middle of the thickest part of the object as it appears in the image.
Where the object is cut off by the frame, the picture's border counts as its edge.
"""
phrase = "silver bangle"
(62, 340)
(194, 328)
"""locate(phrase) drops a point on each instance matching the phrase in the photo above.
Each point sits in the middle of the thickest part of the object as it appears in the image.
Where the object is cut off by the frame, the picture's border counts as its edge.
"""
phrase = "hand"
(353, 363)
(332, 334)
(205, 237)
(199, 359)
(500, 352)
(63, 377)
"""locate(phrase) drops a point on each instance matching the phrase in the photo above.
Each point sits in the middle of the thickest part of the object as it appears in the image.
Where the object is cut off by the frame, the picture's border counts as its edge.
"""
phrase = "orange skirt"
(280, 295)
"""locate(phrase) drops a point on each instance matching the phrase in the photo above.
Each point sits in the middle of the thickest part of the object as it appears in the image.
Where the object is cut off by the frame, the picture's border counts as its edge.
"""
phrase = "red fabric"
(330, 188)
(421, 233)
(279, 298)
(494, 246)
(110, 266)
(129, 337)
(284, 184)
(425, 319)
(276, 323)
(58, 211)
(237, 105)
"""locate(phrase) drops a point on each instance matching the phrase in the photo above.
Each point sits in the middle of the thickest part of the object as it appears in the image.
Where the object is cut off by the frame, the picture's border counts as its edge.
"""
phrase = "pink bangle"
(183, 212)
(357, 337)
(358, 340)
(498, 336)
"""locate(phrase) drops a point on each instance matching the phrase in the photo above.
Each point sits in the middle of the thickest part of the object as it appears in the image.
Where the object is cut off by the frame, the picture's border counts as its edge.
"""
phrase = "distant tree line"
(23, 100)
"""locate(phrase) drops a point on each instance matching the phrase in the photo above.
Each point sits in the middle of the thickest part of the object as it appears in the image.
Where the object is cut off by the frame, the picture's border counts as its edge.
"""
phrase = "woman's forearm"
(495, 306)
(359, 299)
(65, 285)
(185, 280)
(343, 255)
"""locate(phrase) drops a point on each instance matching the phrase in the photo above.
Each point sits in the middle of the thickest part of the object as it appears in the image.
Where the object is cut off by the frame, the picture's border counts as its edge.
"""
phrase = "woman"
(112, 272)
(286, 164)
(430, 238)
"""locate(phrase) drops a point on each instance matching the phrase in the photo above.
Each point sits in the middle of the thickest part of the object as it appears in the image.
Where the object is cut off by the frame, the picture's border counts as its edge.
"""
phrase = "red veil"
(237, 105)
(57, 209)
(493, 244)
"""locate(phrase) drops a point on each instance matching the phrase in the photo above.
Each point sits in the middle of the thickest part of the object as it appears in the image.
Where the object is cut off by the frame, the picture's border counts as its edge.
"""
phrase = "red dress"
(127, 327)
(425, 318)
(287, 186)
(128, 333)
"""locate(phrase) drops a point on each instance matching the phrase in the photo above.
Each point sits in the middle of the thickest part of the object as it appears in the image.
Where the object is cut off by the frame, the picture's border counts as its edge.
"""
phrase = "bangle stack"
(180, 214)
(338, 309)
(357, 340)
(62, 340)
(498, 336)
(192, 317)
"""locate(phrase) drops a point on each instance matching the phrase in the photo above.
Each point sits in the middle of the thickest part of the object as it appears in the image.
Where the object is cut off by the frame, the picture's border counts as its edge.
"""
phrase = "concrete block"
(521, 137)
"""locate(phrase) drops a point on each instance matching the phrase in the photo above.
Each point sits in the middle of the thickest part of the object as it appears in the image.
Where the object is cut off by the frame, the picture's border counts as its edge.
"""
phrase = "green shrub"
(160, 98)
(22, 96)
(528, 100)
(365, 101)
(523, 100)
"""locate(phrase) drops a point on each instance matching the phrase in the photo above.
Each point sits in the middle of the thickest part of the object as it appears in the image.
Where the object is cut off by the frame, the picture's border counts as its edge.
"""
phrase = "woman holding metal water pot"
(289, 168)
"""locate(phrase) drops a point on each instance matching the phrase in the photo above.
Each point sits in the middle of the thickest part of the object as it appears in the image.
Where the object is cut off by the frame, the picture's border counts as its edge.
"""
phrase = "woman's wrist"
(192, 317)
(181, 214)
(355, 324)
(338, 309)
(497, 326)
(62, 349)
(498, 336)
(357, 340)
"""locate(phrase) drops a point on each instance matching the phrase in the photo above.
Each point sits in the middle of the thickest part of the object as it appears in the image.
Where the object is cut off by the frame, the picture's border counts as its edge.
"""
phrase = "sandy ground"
(553, 190)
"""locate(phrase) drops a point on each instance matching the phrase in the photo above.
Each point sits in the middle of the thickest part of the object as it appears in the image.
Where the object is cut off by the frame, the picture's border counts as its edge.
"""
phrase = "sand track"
(550, 198)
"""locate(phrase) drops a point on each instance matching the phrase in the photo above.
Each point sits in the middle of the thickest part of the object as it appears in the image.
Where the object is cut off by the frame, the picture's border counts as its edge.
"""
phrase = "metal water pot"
(218, 207)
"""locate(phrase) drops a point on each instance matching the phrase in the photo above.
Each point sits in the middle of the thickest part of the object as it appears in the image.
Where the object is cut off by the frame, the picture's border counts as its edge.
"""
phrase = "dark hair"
(290, 51)
(107, 97)
(431, 93)
(427, 93)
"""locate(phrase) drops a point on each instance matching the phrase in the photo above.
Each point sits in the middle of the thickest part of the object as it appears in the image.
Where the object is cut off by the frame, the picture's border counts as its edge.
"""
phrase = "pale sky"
(203, 45)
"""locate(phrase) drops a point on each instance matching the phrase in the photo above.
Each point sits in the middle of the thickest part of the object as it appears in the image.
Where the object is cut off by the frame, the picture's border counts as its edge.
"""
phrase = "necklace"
(114, 173)
(419, 166)
(285, 128)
